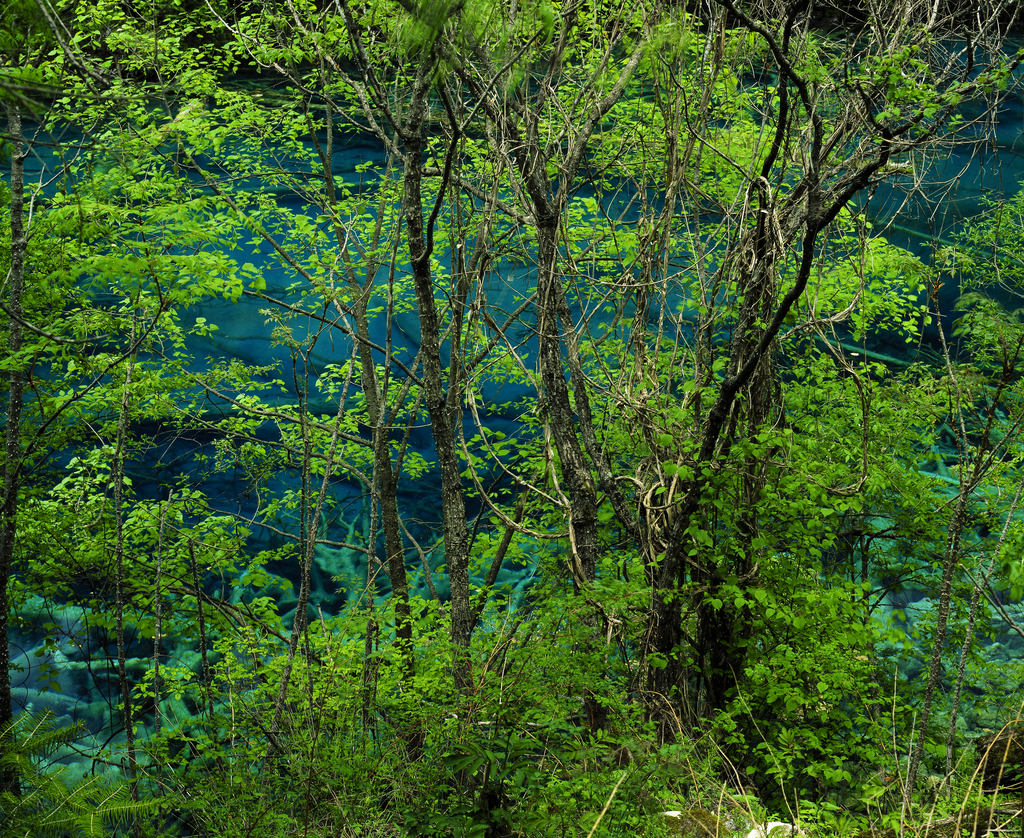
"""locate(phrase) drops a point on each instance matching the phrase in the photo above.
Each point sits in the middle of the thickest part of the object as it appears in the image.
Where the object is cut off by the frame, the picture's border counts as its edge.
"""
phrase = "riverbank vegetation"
(470, 418)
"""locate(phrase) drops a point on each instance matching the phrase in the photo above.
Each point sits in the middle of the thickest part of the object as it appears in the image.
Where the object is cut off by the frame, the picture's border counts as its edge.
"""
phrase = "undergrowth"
(360, 748)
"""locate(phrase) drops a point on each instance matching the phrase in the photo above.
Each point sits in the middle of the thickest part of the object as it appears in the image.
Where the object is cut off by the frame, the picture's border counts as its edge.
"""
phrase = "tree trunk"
(117, 475)
(579, 484)
(9, 780)
(443, 412)
(376, 404)
(950, 562)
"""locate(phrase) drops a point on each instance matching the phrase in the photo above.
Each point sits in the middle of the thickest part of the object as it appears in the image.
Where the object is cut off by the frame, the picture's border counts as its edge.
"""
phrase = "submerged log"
(1001, 760)
(695, 823)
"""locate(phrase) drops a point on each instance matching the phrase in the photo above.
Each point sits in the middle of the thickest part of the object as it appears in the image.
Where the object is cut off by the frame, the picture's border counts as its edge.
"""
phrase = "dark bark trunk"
(974, 467)
(443, 412)
(950, 562)
(742, 407)
(387, 482)
(117, 474)
(377, 413)
(579, 484)
(385, 488)
(561, 418)
(9, 780)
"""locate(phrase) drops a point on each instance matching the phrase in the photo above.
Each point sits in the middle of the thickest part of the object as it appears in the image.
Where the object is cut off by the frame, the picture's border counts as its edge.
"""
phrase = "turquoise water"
(967, 175)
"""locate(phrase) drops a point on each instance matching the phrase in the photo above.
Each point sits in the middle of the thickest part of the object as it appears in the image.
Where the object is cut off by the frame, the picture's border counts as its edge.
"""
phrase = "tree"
(684, 199)
(791, 158)
(78, 247)
(24, 38)
(12, 448)
(983, 395)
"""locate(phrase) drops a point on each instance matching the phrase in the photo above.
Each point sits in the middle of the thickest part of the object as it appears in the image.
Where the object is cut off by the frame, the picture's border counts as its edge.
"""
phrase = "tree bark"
(443, 412)
(117, 475)
(9, 780)
(376, 403)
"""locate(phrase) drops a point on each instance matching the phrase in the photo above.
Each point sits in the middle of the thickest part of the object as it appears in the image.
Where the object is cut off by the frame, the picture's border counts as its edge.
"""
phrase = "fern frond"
(38, 735)
(47, 805)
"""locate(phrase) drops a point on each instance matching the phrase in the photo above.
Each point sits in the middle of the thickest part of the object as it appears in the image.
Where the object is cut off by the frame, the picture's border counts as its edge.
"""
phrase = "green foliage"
(822, 720)
(880, 283)
(987, 253)
(49, 804)
(804, 518)
(511, 755)
(25, 40)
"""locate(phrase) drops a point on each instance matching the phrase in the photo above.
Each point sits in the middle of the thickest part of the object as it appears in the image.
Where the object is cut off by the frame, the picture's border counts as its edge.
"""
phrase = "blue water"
(967, 176)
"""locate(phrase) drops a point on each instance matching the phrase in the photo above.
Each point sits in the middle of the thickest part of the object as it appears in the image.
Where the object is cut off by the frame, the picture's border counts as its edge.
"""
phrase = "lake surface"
(965, 177)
